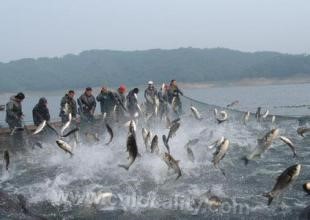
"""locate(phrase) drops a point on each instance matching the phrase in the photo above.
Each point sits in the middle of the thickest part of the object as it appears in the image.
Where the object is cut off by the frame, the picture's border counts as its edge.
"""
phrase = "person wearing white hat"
(150, 95)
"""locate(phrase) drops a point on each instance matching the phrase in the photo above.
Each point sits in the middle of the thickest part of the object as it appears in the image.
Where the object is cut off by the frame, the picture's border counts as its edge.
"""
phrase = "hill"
(97, 67)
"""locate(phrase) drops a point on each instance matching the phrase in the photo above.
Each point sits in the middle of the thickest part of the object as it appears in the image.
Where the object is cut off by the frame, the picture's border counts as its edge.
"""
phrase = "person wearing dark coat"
(14, 112)
(120, 108)
(174, 94)
(108, 100)
(87, 105)
(67, 106)
(40, 112)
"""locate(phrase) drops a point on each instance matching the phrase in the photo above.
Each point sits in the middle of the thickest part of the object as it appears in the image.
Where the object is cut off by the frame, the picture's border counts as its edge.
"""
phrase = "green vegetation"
(97, 67)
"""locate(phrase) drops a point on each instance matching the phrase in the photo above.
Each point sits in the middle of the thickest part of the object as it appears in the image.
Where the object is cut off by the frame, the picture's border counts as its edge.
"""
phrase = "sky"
(49, 28)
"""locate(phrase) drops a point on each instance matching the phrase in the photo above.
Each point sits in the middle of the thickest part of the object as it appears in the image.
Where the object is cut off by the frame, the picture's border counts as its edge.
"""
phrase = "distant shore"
(246, 82)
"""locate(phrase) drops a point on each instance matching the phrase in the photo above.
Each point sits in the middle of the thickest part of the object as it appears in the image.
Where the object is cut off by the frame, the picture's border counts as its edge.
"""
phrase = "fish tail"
(124, 166)
(179, 175)
(269, 196)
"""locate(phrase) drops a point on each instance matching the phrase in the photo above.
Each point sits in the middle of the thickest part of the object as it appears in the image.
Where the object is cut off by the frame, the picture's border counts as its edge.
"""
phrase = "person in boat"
(163, 100)
(174, 97)
(108, 101)
(87, 105)
(14, 112)
(132, 103)
(40, 112)
(150, 95)
(67, 106)
(120, 108)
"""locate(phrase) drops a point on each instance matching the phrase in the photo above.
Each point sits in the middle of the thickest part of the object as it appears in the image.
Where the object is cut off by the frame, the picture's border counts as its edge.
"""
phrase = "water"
(57, 186)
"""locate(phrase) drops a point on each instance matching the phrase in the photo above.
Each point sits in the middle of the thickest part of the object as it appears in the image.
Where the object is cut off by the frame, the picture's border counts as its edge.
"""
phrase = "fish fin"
(124, 166)
(269, 196)
(246, 160)
(179, 175)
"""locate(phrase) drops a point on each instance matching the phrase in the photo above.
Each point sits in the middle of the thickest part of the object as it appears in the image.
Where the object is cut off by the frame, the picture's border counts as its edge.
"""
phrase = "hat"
(88, 89)
(20, 96)
(150, 83)
(122, 88)
(136, 90)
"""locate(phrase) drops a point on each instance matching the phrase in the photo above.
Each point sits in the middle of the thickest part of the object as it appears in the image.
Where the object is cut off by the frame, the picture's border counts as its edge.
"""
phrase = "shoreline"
(245, 83)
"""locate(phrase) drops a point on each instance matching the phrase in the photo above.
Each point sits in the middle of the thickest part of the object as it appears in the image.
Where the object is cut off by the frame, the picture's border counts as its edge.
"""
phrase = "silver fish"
(196, 113)
(66, 125)
(302, 130)
(232, 104)
(223, 118)
(220, 152)
(40, 127)
(173, 130)
(283, 181)
(263, 144)
(289, 143)
(65, 146)
(246, 117)
(154, 145)
(132, 149)
(172, 163)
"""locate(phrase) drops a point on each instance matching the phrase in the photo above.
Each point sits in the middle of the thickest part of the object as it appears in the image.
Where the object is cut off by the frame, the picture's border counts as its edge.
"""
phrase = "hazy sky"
(34, 28)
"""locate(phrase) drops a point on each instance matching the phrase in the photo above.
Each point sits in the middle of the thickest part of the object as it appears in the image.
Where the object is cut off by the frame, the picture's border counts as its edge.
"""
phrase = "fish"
(73, 131)
(246, 117)
(273, 119)
(220, 153)
(174, 105)
(283, 181)
(224, 117)
(306, 187)
(165, 140)
(147, 139)
(6, 157)
(40, 127)
(132, 127)
(190, 154)
(66, 125)
(302, 130)
(209, 199)
(192, 142)
(39, 144)
(232, 104)
(110, 131)
(215, 112)
(132, 149)
(173, 129)
(263, 144)
(64, 146)
(154, 145)
(66, 109)
(216, 143)
(144, 133)
(289, 143)
(173, 164)
(196, 113)
(168, 122)
(265, 114)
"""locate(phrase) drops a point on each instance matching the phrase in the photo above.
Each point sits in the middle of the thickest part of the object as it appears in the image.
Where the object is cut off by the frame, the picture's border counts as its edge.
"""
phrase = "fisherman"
(40, 112)
(163, 100)
(174, 96)
(132, 102)
(108, 100)
(67, 106)
(87, 105)
(119, 110)
(150, 95)
(14, 113)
